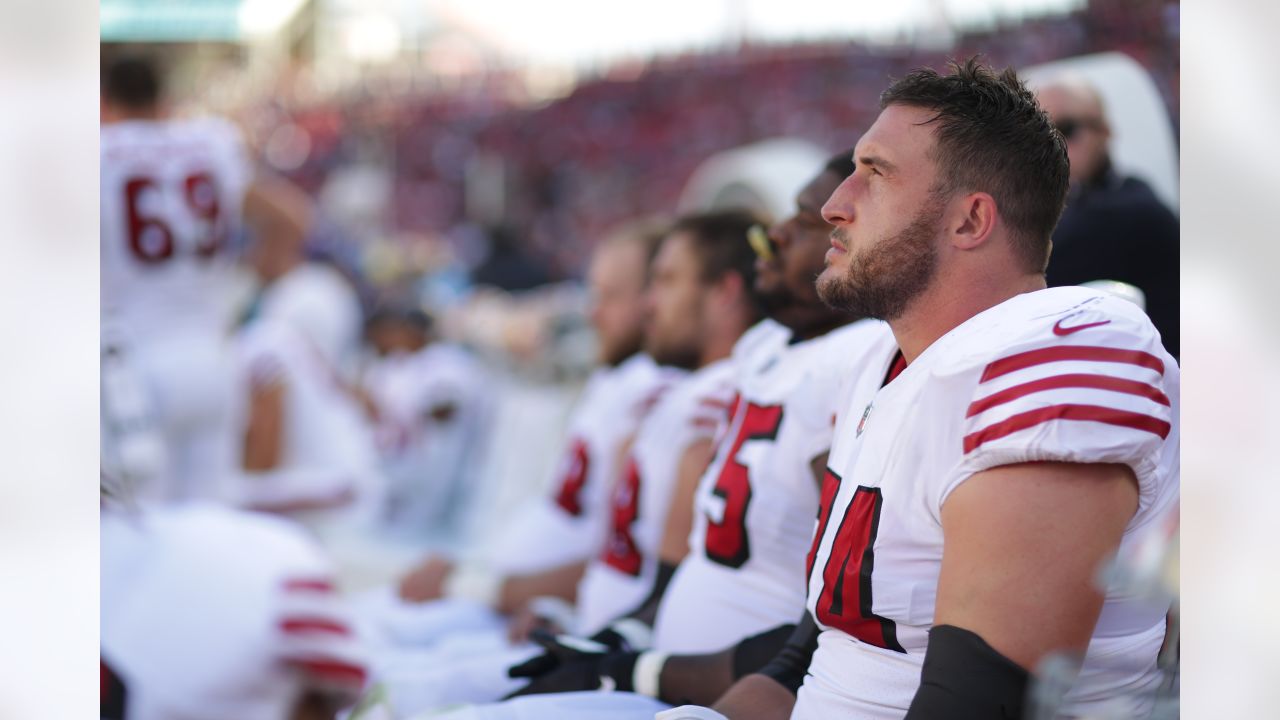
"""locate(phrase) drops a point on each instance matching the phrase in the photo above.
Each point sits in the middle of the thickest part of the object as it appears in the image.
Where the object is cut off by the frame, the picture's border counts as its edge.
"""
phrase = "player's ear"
(973, 218)
(729, 290)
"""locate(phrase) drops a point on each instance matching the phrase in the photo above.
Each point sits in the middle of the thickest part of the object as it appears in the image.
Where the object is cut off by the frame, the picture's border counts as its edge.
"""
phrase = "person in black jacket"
(1114, 227)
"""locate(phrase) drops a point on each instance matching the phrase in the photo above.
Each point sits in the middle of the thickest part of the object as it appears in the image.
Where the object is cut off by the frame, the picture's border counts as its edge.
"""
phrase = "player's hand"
(426, 581)
(573, 664)
(560, 650)
(526, 620)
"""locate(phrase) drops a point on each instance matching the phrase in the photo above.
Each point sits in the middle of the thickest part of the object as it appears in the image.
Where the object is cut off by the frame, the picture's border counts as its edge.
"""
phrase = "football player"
(172, 194)
(701, 303)
(210, 612)
(307, 448)
(1017, 437)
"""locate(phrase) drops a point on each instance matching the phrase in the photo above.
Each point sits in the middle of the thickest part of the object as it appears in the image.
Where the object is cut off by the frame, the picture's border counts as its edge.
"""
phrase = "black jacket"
(1116, 229)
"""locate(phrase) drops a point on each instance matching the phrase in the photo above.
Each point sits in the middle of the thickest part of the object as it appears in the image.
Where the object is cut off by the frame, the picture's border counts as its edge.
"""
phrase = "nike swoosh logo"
(1064, 331)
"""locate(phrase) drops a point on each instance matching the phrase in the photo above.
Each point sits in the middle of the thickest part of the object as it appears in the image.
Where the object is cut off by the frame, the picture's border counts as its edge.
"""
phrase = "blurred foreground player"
(971, 498)
(701, 302)
(172, 193)
(210, 613)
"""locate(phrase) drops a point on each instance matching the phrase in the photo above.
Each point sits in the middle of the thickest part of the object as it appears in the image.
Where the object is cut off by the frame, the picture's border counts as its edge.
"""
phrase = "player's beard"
(883, 280)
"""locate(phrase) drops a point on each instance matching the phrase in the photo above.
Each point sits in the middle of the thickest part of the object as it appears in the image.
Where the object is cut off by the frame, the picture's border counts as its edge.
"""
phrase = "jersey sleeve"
(1100, 395)
(712, 411)
(317, 637)
(262, 360)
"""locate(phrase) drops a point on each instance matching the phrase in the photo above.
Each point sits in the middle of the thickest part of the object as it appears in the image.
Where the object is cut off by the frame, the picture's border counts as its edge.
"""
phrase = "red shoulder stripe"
(313, 624)
(332, 670)
(1091, 413)
(1080, 380)
(322, 585)
(1030, 358)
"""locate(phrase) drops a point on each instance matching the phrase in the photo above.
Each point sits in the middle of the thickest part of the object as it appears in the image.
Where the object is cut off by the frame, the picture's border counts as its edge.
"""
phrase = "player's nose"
(838, 209)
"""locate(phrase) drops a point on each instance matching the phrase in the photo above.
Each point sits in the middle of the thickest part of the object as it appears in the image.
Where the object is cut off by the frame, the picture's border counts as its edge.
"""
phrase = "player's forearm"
(756, 697)
(264, 436)
(696, 679)
(703, 679)
(562, 582)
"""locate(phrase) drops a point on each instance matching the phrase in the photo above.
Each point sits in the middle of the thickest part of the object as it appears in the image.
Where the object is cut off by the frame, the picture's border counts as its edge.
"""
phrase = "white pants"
(189, 380)
(563, 706)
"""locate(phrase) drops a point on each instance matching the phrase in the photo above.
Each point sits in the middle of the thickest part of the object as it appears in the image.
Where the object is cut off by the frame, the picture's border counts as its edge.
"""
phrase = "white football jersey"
(755, 504)
(694, 409)
(1059, 375)
(321, 304)
(210, 613)
(171, 201)
(569, 526)
(328, 456)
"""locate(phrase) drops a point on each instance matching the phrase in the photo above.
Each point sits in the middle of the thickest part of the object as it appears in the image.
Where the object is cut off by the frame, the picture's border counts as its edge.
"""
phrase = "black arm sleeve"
(755, 652)
(702, 679)
(791, 664)
(647, 611)
(964, 678)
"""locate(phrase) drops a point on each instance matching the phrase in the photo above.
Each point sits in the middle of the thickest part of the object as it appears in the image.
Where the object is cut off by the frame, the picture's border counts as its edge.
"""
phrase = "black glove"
(571, 664)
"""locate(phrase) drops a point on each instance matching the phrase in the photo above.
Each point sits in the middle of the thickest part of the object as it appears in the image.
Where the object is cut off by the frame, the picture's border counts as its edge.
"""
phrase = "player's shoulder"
(1064, 324)
(269, 539)
(763, 338)
(849, 345)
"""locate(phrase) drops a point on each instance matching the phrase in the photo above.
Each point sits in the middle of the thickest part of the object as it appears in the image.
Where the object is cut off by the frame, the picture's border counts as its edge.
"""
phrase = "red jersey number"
(151, 238)
(576, 465)
(621, 552)
(727, 541)
(845, 602)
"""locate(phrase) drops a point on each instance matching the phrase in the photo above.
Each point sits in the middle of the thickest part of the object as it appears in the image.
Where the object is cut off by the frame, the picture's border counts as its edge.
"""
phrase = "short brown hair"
(720, 242)
(993, 137)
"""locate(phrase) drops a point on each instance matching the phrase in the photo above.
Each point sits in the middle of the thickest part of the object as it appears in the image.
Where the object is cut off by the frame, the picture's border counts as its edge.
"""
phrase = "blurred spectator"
(1114, 227)
(509, 265)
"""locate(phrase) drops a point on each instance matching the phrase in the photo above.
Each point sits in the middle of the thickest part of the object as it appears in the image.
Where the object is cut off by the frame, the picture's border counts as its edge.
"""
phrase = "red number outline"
(577, 464)
(208, 211)
(621, 551)
(727, 542)
(846, 598)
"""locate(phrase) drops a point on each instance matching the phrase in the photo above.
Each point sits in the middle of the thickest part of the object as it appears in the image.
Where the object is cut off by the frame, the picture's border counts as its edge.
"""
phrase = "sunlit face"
(884, 247)
(677, 304)
(785, 283)
(616, 279)
(1077, 113)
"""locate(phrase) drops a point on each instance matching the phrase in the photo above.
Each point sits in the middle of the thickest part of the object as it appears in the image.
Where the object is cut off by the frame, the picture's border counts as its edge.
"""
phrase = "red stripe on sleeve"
(1030, 358)
(1090, 413)
(1081, 380)
(313, 624)
(331, 670)
(308, 585)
